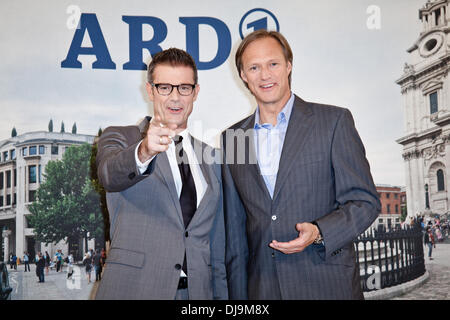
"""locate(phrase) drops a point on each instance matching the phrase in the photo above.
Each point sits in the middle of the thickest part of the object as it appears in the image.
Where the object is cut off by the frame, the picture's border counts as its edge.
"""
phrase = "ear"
(289, 67)
(243, 76)
(149, 89)
(196, 91)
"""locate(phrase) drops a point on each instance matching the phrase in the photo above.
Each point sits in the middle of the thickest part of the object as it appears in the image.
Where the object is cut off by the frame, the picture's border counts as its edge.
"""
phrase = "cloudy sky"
(338, 60)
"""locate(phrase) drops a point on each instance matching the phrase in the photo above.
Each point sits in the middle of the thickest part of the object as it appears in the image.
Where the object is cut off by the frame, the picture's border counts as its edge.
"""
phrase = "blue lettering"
(193, 45)
(258, 24)
(136, 42)
(88, 22)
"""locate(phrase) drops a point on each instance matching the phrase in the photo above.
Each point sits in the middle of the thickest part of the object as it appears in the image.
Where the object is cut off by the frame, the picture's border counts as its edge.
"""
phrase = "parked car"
(5, 289)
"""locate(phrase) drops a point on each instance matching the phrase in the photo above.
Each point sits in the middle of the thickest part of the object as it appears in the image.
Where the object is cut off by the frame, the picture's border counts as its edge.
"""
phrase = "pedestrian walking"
(97, 260)
(47, 262)
(429, 241)
(59, 260)
(69, 266)
(40, 265)
(14, 262)
(26, 261)
(87, 262)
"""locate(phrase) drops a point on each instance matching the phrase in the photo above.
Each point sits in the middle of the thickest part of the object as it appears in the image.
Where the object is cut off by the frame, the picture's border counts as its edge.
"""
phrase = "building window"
(380, 220)
(396, 208)
(15, 177)
(32, 174)
(33, 151)
(31, 195)
(388, 195)
(15, 199)
(1, 180)
(433, 103)
(440, 180)
(41, 149)
(8, 199)
(5, 156)
(39, 173)
(8, 179)
(388, 208)
(13, 154)
(1, 201)
(395, 196)
(24, 151)
(54, 149)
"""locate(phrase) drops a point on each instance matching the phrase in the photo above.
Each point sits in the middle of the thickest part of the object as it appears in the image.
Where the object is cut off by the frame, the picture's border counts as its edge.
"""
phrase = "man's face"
(266, 71)
(173, 108)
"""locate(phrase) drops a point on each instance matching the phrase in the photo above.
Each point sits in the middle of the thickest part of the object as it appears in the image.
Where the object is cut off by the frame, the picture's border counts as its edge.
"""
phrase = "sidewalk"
(56, 286)
(438, 285)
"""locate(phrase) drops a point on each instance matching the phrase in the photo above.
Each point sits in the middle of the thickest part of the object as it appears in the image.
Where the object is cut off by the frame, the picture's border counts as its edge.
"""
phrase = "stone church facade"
(425, 88)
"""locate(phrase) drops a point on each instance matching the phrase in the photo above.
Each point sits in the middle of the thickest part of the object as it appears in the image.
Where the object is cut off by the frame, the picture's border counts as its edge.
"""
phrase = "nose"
(265, 73)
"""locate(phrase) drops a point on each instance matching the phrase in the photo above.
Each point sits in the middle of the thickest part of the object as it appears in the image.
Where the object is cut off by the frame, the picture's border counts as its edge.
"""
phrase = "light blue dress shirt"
(269, 142)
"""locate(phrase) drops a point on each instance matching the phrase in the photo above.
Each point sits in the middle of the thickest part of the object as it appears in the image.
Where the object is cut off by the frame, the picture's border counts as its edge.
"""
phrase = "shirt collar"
(282, 117)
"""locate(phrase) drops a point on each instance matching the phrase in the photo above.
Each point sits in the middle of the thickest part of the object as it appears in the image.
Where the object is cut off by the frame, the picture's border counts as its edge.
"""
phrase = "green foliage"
(50, 126)
(74, 128)
(67, 205)
(14, 132)
(62, 127)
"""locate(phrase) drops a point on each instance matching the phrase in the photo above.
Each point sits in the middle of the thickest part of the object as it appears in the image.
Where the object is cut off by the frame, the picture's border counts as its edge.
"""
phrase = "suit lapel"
(250, 153)
(162, 164)
(299, 128)
(212, 189)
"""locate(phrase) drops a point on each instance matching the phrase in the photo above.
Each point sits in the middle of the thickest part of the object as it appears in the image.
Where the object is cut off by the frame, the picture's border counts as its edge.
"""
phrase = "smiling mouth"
(267, 86)
(175, 109)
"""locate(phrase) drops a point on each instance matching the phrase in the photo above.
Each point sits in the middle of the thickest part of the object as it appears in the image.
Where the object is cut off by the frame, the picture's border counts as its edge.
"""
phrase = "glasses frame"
(156, 85)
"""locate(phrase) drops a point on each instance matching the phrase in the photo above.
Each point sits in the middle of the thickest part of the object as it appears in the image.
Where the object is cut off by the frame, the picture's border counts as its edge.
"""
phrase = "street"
(56, 286)
(438, 285)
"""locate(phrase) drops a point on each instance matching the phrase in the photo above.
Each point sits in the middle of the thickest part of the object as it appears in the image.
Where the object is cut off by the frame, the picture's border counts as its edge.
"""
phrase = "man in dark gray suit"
(304, 187)
(164, 200)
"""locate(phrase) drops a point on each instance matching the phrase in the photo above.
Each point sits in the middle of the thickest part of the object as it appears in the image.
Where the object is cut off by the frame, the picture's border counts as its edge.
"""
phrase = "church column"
(5, 235)
(442, 19)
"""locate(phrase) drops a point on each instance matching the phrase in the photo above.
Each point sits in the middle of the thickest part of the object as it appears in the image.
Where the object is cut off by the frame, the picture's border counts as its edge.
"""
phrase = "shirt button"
(274, 217)
(178, 266)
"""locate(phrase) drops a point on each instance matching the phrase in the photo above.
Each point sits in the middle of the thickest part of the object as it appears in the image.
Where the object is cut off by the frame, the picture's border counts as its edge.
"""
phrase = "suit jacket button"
(132, 175)
(178, 266)
(186, 234)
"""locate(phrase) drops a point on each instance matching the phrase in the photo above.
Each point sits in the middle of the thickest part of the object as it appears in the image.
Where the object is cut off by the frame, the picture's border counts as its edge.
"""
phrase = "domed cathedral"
(425, 87)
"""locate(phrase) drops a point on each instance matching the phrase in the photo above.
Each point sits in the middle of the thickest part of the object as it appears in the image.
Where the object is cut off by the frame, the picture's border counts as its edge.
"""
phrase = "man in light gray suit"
(164, 201)
(304, 189)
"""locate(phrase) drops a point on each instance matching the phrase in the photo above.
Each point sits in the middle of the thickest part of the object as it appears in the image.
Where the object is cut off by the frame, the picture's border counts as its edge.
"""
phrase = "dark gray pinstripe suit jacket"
(323, 176)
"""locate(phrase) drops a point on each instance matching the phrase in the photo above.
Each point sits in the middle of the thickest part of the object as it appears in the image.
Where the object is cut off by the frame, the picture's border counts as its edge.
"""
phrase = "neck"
(268, 112)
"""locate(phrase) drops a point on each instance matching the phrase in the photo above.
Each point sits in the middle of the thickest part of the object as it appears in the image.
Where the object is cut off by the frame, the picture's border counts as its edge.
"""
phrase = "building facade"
(392, 200)
(425, 87)
(23, 159)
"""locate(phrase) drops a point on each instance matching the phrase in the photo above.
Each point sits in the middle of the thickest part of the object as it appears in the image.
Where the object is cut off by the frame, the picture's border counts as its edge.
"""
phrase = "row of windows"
(3, 203)
(388, 207)
(8, 155)
(33, 150)
(389, 220)
(388, 195)
(34, 175)
(27, 151)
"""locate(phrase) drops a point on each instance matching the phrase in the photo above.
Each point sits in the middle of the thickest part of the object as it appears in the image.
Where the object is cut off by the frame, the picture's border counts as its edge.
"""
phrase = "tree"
(67, 206)
(74, 128)
(99, 133)
(62, 127)
(50, 126)
(13, 132)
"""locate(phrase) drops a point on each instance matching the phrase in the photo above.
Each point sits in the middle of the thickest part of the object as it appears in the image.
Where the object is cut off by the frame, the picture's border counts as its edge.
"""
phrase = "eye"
(253, 68)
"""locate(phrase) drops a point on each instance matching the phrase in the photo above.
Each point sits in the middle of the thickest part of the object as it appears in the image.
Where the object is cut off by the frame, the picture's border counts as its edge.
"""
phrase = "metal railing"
(388, 258)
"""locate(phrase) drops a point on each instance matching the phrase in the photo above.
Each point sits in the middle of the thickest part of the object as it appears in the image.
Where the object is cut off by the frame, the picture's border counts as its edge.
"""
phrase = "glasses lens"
(164, 89)
(185, 89)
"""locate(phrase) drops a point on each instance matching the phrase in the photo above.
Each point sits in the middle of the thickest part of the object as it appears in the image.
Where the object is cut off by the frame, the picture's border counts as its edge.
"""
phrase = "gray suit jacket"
(148, 237)
(323, 176)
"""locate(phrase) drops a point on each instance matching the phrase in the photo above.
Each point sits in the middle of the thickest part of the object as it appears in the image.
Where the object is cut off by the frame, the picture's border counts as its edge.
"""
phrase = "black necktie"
(188, 196)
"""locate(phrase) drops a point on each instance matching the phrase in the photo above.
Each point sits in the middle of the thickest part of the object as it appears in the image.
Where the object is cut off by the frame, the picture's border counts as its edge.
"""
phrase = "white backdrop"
(344, 54)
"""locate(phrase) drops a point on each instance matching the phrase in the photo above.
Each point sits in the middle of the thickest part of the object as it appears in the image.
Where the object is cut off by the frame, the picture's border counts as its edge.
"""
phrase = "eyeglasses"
(166, 89)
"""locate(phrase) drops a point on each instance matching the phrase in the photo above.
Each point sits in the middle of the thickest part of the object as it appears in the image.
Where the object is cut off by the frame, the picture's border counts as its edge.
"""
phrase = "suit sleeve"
(116, 163)
(236, 253)
(357, 200)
